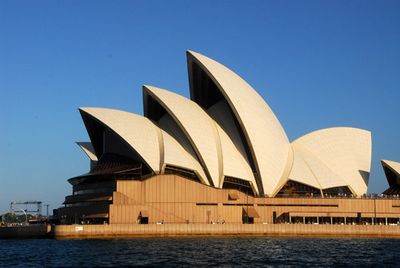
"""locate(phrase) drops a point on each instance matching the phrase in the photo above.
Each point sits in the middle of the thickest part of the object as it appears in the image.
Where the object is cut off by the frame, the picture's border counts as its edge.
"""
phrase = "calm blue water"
(189, 252)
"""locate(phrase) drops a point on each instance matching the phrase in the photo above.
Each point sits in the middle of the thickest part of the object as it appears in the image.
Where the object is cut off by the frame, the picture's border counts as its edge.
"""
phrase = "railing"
(368, 196)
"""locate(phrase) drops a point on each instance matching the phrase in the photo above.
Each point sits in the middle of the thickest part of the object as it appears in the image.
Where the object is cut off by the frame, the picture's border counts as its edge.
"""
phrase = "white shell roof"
(168, 124)
(192, 140)
(87, 148)
(338, 156)
(301, 171)
(154, 145)
(176, 155)
(198, 127)
(139, 132)
(234, 164)
(267, 140)
(394, 166)
(220, 155)
(221, 114)
(310, 170)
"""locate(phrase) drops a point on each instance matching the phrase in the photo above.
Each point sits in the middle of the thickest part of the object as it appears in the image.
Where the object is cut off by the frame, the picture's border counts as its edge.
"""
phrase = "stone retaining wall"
(30, 231)
(138, 230)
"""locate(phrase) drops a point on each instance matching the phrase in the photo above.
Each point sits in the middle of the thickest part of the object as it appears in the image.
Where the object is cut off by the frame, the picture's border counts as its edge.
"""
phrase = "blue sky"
(318, 64)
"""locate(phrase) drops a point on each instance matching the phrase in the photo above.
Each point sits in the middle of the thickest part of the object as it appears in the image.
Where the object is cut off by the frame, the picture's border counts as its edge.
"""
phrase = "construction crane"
(37, 204)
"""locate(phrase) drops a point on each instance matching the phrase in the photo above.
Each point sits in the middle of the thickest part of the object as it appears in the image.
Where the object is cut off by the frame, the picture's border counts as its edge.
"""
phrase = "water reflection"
(220, 251)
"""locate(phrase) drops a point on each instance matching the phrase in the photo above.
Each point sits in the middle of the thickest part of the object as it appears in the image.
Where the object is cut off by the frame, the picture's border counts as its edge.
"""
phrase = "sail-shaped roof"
(154, 146)
(268, 144)
(88, 149)
(219, 155)
(392, 171)
(334, 157)
(198, 127)
(226, 133)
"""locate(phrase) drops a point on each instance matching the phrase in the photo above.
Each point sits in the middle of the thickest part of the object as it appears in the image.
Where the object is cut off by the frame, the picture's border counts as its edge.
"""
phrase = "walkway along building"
(220, 156)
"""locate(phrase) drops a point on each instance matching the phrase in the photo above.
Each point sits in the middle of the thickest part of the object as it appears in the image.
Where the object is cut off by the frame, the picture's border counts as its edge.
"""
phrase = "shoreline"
(199, 230)
(210, 230)
(33, 231)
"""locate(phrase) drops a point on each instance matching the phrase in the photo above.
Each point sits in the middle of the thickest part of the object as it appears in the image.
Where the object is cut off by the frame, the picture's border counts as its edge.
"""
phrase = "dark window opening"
(238, 184)
(247, 220)
(298, 205)
(95, 131)
(391, 177)
(117, 164)
(91, 220)
(296, 189)
(113, 144)
(209, 93)
(206, 204)
(143, 217)
(392, 190)
(109, 168)
(144, 220)
(86, 203)
(154, 110)
(338, 191)
(94, 187)
(186, 173)
(240, 204)
(248, 215)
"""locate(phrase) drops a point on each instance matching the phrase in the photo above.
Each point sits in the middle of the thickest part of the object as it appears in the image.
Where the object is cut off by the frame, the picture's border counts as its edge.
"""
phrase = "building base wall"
(172, 199)
(166, 230)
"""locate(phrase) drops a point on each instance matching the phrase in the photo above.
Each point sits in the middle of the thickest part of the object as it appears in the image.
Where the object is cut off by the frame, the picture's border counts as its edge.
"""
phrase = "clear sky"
(317, 64)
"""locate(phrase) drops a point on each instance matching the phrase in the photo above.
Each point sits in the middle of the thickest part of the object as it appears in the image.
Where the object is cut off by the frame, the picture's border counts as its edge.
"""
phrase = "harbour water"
(198, 251)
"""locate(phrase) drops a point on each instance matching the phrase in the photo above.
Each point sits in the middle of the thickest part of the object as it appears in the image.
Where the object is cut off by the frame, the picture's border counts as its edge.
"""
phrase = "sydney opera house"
(221, 156)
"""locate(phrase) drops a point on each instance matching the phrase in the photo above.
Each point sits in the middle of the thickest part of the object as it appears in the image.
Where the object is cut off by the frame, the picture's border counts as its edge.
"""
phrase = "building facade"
(220, 156)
